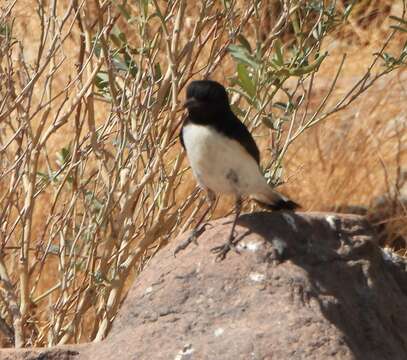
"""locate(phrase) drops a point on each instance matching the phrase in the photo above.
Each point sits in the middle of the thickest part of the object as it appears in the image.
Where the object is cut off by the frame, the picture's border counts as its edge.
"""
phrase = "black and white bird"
(223, 156)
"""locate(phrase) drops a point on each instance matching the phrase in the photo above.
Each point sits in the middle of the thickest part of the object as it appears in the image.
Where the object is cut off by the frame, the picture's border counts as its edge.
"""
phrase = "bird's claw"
(222, 250)
(196, 233)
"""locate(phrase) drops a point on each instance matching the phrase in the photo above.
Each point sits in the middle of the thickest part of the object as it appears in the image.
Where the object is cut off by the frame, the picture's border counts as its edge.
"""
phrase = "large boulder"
(304, 286)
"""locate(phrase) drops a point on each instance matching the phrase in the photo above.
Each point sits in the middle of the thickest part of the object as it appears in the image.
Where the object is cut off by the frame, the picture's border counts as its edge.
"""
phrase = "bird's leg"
(199, 227)
(222, 250)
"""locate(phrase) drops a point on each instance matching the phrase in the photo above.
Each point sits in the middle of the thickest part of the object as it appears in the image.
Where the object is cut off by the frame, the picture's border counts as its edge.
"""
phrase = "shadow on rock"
(357, 290)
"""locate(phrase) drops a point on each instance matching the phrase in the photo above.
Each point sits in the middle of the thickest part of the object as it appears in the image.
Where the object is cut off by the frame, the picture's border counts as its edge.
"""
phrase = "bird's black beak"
(190, 102)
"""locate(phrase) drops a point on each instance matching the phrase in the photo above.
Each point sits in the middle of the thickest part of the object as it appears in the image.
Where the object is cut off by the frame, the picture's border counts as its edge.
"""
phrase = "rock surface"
(304, 286)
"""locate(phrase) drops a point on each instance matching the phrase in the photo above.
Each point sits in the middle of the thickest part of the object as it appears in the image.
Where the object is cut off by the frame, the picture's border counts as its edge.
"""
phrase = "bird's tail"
(273, 200)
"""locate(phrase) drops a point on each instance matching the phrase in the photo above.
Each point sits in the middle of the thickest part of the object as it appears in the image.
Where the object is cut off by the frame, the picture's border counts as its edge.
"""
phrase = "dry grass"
(351, 158)
(358, 156)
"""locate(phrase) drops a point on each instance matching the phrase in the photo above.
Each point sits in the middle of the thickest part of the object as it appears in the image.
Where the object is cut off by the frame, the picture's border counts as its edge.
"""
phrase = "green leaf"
(144, 7)
(399, 28)
(97, 46)
(43, 175)
(124, 11)
(5, 30)
(119, 64)
(403, 21)
(93, 201)
(280, 105)
(245, 81)
(132, 67)
(123, 38)
(274, 64)
(115, 35)
(63, 156)
(308, 68)
(157, 72)
(53, 249)
(245, 43)
(279, 59)
(102, 80)
(348, 10)
(241, 55)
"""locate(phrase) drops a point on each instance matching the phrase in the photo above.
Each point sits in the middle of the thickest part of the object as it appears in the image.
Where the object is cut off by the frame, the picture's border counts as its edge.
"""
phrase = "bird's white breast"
(220, 163)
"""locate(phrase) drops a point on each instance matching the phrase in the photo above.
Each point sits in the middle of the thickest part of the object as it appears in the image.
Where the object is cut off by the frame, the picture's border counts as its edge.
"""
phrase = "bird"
(224, 157)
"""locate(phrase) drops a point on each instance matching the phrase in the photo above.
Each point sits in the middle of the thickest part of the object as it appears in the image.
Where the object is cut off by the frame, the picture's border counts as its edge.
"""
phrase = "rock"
(304, 286)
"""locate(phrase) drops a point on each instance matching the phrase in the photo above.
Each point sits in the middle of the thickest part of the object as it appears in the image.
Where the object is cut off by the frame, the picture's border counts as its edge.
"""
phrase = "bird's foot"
(195, 234)
(222, 250)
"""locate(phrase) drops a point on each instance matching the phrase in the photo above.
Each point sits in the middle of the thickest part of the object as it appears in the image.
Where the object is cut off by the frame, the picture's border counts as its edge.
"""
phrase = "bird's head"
(206, 97)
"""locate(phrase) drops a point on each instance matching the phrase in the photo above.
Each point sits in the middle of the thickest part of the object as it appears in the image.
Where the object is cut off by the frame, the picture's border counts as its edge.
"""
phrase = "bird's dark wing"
(181, 136)
(235, 129)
